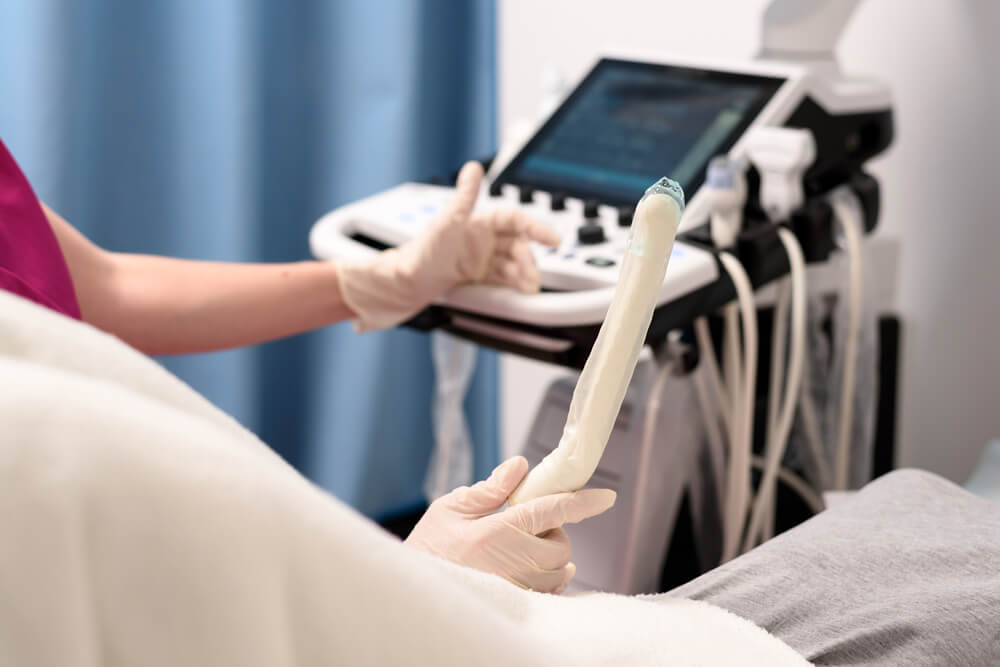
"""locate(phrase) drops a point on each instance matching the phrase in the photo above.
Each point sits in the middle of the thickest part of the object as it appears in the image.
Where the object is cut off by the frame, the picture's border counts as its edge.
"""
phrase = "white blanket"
(141, 526)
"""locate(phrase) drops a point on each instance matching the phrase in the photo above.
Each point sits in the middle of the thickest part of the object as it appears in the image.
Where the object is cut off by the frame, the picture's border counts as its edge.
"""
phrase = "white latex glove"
(457, 248)
(524, 544)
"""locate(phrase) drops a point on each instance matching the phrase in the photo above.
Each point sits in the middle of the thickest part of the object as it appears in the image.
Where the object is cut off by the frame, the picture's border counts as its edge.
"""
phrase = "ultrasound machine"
(629, 120)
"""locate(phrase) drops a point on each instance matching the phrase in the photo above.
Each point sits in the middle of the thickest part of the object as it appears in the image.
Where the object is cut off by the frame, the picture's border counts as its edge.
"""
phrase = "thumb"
(467, 191)
(489, 495)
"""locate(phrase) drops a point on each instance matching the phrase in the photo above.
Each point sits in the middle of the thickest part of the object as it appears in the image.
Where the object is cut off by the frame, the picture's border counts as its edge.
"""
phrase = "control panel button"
(590, 234)
(625, 214)
(600, 262)
(558, 201)
(590, 208)
(527, 194)
(496, 189)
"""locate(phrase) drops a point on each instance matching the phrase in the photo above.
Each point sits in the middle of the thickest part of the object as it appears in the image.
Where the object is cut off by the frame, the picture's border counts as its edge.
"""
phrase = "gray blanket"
(905, 573)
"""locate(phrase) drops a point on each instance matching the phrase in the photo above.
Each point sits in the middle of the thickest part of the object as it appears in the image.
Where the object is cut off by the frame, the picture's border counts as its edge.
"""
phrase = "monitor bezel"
(773, 81)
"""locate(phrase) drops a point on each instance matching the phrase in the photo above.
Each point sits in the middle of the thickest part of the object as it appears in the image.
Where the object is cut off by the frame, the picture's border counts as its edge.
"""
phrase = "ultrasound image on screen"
(630, 123)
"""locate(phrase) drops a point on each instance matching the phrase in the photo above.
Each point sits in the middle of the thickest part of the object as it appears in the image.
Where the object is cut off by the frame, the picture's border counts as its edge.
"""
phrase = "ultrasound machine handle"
(332, 238)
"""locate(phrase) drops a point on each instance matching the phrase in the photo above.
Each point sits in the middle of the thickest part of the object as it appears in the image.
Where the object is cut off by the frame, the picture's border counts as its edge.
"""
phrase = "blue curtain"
(223, 130)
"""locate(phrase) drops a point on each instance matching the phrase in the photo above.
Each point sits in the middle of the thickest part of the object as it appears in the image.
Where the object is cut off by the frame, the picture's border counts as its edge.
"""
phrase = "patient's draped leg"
(905, 573)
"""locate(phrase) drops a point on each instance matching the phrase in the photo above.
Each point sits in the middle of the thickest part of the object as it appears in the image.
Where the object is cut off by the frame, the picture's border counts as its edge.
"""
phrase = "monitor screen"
(629, 123)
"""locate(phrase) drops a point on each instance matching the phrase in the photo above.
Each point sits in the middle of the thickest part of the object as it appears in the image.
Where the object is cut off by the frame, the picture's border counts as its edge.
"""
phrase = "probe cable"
(741, 422)
(782, 400)
(851, 224)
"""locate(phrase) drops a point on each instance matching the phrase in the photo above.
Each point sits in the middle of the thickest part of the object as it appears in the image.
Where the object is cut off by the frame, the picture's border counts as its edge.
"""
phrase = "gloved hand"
(525, 544)
(457, 248)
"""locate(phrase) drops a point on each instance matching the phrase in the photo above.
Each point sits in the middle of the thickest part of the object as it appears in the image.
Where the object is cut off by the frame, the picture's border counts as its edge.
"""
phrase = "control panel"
(594, 236)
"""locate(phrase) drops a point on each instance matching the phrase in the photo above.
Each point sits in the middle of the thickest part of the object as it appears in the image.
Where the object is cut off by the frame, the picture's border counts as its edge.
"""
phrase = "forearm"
(171, 306)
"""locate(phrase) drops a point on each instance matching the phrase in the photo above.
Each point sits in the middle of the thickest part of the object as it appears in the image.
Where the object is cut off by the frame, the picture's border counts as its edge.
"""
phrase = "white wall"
(940, 184)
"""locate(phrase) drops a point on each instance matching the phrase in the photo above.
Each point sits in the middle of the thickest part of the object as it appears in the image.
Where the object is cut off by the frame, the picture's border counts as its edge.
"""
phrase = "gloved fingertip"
(541, 233)
(490, 494)
(550, 237)
(512, 461)
(601, 497)
(509, 474)
(471, 171)
(590, 502)
(570, 571)
(466, 191)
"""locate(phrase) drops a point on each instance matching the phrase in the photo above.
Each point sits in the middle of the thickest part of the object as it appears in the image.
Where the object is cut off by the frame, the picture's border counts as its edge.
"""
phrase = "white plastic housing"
(806, 30)
(781, 156)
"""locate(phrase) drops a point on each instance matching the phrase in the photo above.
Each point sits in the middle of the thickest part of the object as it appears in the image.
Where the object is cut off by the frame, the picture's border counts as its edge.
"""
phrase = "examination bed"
(140, 525)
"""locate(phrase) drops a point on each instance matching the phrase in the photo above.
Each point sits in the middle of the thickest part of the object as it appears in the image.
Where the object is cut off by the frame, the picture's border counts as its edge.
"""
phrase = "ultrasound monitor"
(629, 123)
